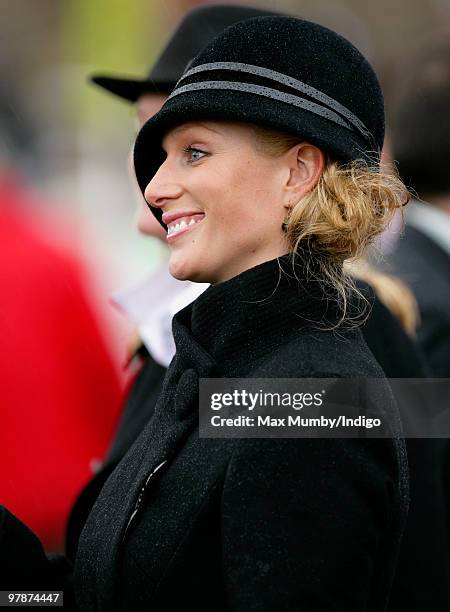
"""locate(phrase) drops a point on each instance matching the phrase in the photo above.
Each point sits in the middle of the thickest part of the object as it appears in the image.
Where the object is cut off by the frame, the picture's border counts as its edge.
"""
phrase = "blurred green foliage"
(106, 36)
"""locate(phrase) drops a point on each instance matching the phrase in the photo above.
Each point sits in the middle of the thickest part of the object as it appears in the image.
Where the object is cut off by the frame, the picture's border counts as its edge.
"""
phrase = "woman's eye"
(194, 154)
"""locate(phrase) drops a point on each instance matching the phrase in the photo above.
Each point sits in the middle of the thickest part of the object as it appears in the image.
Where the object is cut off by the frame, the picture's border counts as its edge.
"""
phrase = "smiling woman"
(263, 168)
(248, 182)
(213, 174)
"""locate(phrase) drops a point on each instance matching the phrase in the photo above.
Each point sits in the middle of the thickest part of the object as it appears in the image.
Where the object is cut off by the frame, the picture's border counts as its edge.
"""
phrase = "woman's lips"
(182, 225)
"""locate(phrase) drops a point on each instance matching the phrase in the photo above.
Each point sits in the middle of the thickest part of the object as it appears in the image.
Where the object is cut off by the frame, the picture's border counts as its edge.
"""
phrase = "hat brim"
(216, 105)
(131, 89)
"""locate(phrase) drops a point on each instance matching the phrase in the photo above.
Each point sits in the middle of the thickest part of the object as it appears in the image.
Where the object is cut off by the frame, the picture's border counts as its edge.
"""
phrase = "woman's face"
(222, 199)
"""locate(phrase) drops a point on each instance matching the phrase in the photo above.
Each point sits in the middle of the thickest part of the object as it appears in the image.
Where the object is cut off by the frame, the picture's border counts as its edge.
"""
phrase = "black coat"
(264, 524)
(425, 267)
(398, 356)
(238, 524)
(422, 579)
(423, 573)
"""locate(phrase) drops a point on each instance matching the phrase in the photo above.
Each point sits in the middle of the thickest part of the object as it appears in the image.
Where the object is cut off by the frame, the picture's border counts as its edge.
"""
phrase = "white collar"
(151, 305)
(431, 221)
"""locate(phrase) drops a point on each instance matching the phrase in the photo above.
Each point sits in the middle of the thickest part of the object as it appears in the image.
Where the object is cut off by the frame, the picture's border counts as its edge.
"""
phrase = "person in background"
(420, 142)
(421, 147)
(60, 381)
(152, 305)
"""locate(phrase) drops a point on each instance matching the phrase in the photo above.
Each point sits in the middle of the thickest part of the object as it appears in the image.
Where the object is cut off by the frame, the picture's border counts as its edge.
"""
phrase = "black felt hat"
(285, 73)
(196, 30)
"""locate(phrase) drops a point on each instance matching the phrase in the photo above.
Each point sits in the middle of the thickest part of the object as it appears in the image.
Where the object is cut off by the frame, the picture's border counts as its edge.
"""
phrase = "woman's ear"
(306, 164)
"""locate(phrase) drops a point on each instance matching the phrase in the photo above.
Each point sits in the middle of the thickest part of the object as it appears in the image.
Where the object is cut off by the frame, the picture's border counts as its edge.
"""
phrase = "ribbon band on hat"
(329, 108)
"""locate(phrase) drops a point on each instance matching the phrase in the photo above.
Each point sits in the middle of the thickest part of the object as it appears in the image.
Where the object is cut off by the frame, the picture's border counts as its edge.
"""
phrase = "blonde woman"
(262, 168)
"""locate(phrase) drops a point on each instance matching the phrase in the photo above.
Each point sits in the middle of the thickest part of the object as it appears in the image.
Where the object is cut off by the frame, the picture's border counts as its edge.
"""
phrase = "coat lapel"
(105, 535)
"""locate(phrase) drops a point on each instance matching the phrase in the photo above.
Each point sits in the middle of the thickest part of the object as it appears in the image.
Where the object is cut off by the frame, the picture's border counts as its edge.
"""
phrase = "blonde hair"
(336, 221)
(392, 291)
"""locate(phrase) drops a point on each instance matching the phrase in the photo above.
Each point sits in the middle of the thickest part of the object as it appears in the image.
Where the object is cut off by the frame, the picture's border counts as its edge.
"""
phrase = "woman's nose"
(162, 188)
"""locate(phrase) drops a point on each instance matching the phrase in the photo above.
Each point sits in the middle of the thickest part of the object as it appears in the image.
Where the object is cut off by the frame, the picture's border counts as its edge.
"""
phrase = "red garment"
(60, 390)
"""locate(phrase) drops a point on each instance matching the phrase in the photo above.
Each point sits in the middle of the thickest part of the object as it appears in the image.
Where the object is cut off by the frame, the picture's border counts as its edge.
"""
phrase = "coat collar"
(257, 310)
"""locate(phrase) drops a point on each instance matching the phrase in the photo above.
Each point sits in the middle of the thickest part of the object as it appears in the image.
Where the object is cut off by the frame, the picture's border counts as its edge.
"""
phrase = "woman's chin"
(181, 270)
